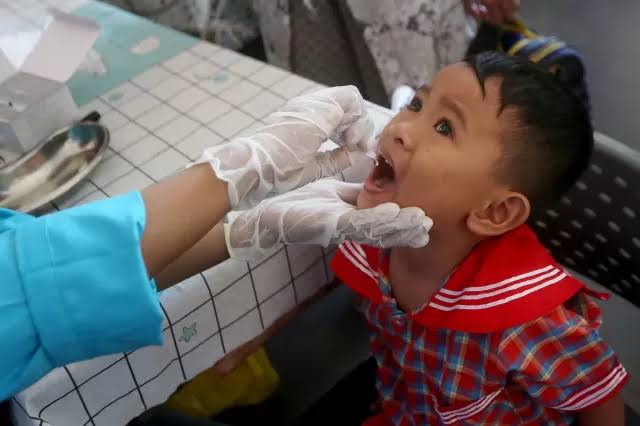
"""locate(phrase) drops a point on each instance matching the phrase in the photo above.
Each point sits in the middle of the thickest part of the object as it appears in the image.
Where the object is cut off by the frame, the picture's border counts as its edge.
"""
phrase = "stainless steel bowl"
(53, 167)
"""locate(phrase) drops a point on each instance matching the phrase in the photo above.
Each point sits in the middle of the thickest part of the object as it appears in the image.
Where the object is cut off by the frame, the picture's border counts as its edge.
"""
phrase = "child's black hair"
(550, 143)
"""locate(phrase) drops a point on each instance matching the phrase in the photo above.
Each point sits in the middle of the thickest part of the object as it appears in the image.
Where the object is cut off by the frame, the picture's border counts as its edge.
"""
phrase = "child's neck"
(416, 274)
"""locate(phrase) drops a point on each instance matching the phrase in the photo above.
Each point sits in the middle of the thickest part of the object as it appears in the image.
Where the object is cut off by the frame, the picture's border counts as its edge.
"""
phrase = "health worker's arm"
(205, 254)
(77, 284)
(180, 212)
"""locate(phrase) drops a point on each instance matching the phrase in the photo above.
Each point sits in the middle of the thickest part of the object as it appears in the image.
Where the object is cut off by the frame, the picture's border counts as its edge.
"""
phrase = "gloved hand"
(323, 213)
(284, 154)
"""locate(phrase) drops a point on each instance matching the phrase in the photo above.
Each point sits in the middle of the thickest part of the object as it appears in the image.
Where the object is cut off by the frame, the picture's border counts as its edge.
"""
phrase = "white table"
(160, 120)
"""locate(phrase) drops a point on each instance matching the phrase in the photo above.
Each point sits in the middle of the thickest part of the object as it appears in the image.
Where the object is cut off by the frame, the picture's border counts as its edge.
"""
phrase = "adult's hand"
(324, 213)
(284, 154)
(496, 12)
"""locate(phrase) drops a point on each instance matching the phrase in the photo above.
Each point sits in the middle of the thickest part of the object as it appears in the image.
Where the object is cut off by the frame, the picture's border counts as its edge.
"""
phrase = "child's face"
(442, 150)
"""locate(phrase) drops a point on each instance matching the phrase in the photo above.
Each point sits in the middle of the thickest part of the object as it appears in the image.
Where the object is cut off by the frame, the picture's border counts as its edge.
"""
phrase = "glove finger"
(334, 190)
(409, 228)
(387, 226)
(340, 106)
(407, 218)
(348, 192)
(357, 136)
(372, 218)
(324, 164)
(347, 97)
(414, 216)
(415, 238)
(330, 163)
(357, 157)
(416, 234)
(328, 110)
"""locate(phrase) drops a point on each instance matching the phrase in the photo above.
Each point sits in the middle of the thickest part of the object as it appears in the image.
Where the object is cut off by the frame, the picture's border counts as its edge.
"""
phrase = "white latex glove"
(323, 213)
(284, 154)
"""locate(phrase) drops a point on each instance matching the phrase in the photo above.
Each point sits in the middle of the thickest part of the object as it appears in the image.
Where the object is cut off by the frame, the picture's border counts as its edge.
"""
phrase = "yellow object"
(546, 51)
(209, 393)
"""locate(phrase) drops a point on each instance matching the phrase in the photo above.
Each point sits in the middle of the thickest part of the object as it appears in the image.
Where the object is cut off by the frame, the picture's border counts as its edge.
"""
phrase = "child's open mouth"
(382, 178)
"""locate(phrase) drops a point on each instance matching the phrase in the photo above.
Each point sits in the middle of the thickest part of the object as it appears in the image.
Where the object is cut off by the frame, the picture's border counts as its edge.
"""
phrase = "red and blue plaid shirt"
(511, 338)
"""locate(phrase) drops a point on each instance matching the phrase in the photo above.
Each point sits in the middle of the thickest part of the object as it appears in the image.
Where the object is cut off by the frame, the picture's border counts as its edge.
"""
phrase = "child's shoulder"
(576, 319)
(561, 358)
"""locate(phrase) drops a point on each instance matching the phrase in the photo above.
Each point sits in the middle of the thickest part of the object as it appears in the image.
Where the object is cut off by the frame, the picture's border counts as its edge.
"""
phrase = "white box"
(34, 68)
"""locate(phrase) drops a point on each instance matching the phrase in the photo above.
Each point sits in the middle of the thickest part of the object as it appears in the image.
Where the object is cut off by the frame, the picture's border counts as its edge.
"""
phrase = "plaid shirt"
(511, 338)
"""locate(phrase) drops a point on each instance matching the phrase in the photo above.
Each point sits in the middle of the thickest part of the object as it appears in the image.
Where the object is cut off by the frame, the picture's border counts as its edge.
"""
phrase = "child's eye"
(415, 105)
(444, 127)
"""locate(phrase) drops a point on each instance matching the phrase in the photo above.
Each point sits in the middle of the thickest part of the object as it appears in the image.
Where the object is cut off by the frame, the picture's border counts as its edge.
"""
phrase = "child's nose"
(402, 137)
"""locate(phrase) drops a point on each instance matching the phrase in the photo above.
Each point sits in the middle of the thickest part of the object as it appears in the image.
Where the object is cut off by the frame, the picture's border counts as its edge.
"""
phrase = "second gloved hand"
(283, 155)
(324, 213)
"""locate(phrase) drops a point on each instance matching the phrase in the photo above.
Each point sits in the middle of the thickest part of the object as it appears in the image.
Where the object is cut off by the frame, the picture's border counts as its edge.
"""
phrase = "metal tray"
(53, 167)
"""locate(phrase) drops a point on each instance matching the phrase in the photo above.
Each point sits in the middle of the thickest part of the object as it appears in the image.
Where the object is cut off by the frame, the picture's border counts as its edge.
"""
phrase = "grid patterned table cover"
(159, 121)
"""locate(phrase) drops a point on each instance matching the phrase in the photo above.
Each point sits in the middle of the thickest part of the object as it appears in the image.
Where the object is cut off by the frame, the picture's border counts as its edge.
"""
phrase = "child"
(482, 326)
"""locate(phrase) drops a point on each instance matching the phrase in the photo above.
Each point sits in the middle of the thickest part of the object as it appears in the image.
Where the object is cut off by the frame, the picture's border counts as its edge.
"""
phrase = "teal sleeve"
(74, 287)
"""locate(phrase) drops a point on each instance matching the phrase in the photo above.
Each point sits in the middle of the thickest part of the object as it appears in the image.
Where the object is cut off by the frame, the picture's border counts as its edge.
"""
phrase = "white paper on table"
(53, 57)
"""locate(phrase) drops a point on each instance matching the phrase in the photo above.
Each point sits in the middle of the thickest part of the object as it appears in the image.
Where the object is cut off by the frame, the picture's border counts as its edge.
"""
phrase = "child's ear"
(499, 216)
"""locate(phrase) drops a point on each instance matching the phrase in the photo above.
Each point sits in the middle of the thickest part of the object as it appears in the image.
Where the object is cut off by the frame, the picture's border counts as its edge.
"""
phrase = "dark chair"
(594, 229)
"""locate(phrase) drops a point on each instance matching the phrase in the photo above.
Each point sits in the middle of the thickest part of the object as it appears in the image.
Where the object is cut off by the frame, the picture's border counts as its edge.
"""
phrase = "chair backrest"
(594, 229)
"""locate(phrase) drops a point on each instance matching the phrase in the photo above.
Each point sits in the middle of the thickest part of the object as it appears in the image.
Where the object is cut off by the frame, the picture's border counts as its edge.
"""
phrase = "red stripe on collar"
(357, 267)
